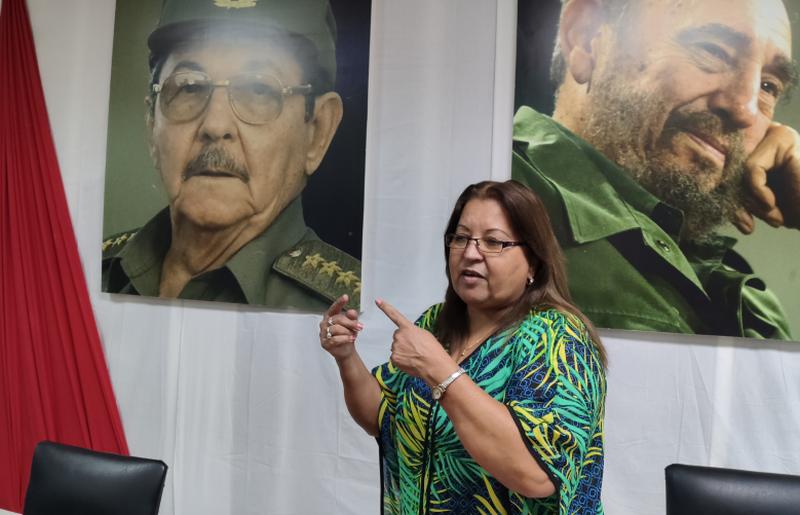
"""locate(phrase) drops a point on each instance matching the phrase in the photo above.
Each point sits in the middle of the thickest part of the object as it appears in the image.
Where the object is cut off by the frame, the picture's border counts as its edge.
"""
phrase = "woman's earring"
(529, 282)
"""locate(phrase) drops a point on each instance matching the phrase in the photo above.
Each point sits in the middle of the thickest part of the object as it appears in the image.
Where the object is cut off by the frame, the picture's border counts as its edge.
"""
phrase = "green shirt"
(285, 267)
(626, 268)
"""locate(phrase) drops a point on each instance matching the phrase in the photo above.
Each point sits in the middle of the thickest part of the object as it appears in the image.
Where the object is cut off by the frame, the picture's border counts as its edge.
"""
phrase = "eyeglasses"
(255, 99)
(485, 245)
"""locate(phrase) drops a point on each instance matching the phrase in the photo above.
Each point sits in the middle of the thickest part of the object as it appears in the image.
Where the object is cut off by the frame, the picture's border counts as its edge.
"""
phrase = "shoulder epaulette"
(116, 242)
(324, 269)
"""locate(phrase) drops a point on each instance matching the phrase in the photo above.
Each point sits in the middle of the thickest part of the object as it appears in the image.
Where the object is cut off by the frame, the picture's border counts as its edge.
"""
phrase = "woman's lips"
(471, 277)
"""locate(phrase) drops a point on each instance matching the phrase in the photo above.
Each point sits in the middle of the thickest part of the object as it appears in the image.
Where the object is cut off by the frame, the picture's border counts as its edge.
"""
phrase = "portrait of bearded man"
(662, 133)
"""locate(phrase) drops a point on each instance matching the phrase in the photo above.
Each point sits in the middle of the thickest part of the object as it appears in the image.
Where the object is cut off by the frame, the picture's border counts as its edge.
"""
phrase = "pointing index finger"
(394, 315)
(337, 306)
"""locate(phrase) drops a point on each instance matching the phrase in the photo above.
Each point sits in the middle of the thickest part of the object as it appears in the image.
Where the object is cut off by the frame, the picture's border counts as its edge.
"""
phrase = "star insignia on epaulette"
(329, 268)
(117, 240)
(324, 269)
(312, 261)
(347, 278)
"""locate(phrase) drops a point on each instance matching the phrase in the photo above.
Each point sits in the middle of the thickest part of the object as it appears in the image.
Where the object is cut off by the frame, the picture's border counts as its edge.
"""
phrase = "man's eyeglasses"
(485, 245)
(254, 98)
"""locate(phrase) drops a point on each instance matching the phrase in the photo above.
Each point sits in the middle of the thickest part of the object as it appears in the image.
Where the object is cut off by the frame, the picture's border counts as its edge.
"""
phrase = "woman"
(493, 402)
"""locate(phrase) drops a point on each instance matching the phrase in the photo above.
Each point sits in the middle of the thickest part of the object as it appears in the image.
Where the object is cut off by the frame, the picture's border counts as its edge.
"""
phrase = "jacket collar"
(143, 256)
(600, 198)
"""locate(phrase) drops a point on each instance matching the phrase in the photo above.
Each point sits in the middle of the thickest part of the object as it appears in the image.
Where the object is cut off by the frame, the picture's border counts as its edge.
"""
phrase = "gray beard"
(622, 124)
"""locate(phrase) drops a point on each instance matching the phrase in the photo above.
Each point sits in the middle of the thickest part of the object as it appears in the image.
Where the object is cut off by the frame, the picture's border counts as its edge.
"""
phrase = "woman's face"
(488, 282)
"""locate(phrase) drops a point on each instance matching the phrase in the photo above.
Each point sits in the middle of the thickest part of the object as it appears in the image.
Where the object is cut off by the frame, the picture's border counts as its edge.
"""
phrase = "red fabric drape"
(54, 383)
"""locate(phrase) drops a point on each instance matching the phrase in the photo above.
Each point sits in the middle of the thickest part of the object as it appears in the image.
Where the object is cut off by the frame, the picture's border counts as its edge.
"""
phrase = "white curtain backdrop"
(245, 407)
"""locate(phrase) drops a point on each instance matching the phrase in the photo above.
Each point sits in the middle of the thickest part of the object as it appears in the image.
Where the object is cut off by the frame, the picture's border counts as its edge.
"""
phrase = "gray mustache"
(215, 160)
(710, 124)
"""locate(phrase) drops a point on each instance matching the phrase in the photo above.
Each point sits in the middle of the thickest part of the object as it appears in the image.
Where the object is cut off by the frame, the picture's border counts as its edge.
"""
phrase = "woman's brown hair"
(529, 220)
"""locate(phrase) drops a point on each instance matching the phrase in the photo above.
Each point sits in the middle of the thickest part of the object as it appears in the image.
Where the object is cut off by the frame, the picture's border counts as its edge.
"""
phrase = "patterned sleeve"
(556, 395)
(392, 382)
(391, 379)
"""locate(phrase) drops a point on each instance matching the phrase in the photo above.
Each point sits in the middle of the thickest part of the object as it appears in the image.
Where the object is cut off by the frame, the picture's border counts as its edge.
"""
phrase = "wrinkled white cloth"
(244, 406)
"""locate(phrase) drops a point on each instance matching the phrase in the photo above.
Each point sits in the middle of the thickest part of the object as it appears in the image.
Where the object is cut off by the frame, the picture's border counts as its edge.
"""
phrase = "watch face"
(436, 393)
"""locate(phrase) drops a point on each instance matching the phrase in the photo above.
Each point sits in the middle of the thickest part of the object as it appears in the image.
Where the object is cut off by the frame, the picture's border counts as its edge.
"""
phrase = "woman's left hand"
(415, 351)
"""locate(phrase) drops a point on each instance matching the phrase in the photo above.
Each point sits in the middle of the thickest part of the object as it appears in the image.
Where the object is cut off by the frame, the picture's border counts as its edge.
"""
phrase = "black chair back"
(67, 480)
(718, 491)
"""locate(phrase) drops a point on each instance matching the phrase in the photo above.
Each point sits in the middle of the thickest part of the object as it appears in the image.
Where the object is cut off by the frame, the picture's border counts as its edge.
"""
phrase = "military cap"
(183, 20)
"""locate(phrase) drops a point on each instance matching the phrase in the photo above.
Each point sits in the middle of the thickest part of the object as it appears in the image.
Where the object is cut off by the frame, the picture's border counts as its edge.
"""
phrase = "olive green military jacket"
(286, 267)
(626, 267)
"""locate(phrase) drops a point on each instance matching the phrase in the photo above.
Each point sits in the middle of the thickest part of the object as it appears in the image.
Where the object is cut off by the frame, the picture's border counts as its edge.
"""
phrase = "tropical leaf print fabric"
(549, 376)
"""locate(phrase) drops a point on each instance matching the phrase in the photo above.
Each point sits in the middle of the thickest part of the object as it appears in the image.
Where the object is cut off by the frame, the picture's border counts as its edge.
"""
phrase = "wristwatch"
(438, 390)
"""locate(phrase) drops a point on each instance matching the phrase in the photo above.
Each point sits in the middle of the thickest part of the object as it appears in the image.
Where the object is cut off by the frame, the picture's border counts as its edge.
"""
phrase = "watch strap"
(442, 387)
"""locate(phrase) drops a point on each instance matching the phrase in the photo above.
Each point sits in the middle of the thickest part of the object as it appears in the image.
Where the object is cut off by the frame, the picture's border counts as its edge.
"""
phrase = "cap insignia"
(235, 4)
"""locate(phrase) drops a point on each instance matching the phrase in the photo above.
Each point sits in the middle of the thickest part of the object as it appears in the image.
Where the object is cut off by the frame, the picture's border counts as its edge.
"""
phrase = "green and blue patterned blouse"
(550, 377)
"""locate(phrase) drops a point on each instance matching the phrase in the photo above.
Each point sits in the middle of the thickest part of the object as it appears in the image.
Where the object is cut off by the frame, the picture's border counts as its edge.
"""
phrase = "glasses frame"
(285, 91)
(505, 244)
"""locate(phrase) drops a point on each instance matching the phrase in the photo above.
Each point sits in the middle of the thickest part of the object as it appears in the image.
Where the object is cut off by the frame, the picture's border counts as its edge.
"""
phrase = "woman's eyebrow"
(497, 229)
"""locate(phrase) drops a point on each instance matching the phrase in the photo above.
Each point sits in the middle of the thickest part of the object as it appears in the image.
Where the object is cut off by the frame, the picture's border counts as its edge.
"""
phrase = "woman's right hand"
(338, 330)
(362, 393)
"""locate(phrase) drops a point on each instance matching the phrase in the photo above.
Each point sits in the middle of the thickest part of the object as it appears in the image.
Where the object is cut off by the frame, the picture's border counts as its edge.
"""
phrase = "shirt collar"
(143, 257)
(253, 263)
(600, 198)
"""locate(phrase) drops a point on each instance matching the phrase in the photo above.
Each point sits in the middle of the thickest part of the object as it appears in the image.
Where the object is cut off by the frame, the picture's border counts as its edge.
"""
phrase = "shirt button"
(664, 245)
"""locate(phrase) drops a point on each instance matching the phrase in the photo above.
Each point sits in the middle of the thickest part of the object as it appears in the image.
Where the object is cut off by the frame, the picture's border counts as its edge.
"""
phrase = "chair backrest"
(717, 491)
(67, 480)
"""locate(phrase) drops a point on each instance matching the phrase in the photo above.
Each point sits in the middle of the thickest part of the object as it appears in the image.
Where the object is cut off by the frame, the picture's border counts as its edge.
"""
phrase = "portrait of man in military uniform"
(209, 179)
(662, 137)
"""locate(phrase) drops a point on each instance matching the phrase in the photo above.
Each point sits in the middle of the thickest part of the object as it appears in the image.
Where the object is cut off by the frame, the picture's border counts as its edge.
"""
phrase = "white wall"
(243, 404)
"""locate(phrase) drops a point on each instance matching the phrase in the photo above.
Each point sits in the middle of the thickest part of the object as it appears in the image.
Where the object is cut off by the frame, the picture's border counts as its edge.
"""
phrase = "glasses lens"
(184, 95)
(456, 241)
(256, 98)
(491, 246)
